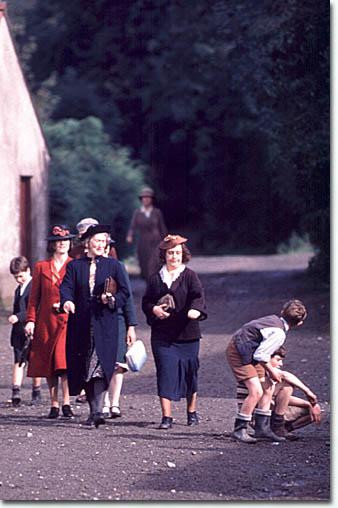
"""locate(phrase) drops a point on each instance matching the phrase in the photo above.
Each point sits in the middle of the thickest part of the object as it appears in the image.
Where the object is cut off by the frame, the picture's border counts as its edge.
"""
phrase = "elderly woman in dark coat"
(173, 304)
(92, 334)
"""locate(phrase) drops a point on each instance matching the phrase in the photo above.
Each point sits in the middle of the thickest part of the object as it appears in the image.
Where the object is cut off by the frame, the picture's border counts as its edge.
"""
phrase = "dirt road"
(130, 459)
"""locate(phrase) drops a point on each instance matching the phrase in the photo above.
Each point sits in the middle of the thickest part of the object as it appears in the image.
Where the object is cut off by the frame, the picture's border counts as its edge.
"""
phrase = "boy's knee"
(259, 393)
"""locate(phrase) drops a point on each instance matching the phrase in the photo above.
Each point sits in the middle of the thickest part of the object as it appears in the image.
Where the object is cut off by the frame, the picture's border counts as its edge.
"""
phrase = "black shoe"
(36, 397)
(16, 399)
(98, 419)
(67, 411)
(90, 421)
(53, 413)
(192, 418)
(166, 423)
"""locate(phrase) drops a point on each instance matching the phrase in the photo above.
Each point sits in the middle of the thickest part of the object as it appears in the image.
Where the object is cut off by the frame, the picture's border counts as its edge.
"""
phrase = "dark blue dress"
(175, 340)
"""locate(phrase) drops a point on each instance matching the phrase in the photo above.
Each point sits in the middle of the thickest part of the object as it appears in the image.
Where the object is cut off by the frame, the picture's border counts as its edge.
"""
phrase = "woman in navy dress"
(92, 333)
(175, 331)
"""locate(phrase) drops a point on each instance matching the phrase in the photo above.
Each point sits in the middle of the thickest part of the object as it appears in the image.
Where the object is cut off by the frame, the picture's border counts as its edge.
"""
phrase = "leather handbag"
(136, 356)
(110, 285)
(168, 301)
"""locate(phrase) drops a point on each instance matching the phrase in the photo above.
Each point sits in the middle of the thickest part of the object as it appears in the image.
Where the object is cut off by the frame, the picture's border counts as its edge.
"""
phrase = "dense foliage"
(91, 178)
(227, 102)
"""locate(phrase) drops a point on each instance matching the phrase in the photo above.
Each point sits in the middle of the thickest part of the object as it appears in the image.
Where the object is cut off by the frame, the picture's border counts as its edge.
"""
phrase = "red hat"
(171, 241)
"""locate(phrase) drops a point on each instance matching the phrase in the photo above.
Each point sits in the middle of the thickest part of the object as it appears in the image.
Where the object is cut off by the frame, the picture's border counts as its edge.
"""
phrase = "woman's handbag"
(110, 285)
(136, 356)
(110, 289)
(168, 301)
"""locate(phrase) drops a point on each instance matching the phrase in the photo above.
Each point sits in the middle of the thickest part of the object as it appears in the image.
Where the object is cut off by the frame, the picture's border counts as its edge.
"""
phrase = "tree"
(227, 102)
(91, 178)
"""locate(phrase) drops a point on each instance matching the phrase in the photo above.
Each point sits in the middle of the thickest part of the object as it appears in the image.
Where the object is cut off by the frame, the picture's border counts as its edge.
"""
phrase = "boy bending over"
(248, 354)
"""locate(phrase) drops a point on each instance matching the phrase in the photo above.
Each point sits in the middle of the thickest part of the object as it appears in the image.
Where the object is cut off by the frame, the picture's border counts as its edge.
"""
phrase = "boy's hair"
(293, 312)
(18, 264)
(280, 352)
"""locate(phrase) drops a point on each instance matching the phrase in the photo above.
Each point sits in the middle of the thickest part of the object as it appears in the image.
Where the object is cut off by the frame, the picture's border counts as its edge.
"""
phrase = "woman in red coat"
(45, 324)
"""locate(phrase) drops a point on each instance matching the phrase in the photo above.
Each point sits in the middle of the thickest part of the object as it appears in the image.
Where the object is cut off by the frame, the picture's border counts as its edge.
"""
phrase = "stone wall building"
(23, 168)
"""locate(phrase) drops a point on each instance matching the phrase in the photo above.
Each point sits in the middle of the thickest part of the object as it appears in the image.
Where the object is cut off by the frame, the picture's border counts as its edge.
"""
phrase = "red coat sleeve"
(35, 295)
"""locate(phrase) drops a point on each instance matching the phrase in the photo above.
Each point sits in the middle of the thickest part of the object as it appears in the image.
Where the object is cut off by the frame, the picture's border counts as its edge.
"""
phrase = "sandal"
(115, 411)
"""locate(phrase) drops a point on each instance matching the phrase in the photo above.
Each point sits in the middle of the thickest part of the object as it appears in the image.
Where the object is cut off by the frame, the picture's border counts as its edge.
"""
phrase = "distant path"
(219, 264)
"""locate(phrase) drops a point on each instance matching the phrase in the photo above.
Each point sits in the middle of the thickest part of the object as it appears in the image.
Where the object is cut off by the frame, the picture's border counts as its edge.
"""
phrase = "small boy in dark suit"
(19, 268)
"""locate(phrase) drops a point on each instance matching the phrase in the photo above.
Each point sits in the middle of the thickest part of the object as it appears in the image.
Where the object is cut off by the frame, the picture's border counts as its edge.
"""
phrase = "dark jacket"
(248, 338)
(89, 311)
(20, 310)
(188, 294)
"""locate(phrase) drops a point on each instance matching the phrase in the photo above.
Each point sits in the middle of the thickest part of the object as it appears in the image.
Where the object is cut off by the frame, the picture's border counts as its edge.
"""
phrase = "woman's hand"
(29, 328)
(104, 298)
(159, 311)
(13, 319)
(193, 314)
(131, 335)
(108, 299)
(129, 239)
(56, 307)
(69, 307)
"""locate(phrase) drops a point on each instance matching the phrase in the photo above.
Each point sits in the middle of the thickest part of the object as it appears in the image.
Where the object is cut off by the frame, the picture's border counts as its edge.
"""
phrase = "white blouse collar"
(169, 277)
(146, 211)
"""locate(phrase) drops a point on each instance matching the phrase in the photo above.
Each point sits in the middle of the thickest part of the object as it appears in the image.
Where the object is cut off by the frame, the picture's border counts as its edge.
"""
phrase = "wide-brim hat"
(146, 192)
(84, 224)
(171, 241)
(59, 232)
(95, 230)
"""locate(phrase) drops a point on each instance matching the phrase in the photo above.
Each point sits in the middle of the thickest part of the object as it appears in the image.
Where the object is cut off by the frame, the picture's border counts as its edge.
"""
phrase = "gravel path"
(130, 459)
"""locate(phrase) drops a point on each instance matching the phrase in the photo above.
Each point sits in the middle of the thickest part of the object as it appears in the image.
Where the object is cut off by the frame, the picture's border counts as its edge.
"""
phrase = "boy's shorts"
(17, 354)
(240, 371)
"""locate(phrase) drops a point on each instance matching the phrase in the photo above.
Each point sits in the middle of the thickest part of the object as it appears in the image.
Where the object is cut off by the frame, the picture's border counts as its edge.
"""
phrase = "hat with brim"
(59, 232)
(95, 230)
(171, 241)
(84, 224)
(146, 192)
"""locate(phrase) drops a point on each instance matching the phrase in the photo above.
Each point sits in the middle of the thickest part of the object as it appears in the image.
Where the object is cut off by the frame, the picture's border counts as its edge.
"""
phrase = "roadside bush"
(90, 177)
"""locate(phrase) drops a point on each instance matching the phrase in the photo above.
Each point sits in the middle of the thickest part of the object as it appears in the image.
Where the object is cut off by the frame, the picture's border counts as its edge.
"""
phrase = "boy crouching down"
(288, 411)
(248, 355)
